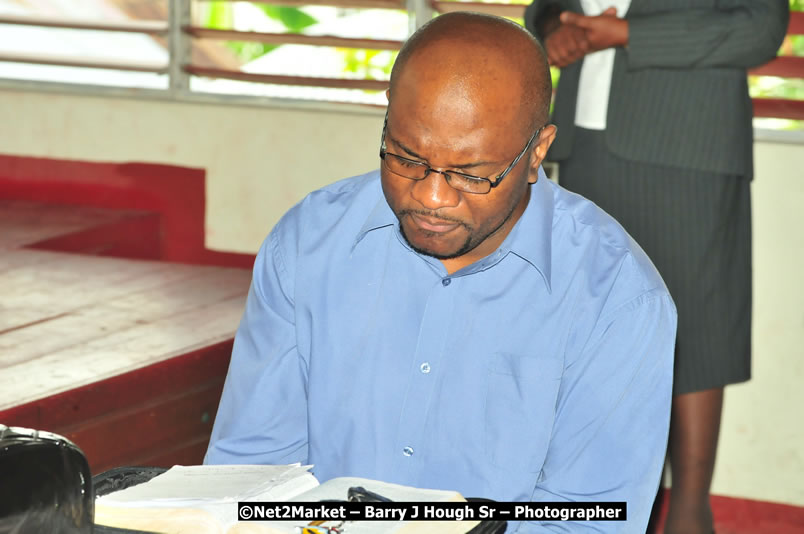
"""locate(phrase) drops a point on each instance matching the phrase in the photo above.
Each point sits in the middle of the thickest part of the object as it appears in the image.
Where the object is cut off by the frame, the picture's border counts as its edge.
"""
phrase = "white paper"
(188, 485)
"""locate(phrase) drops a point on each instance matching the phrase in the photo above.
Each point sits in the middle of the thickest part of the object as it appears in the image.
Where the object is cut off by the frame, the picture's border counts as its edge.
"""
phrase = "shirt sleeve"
(737, 34)
(612, 418)
(262, 416)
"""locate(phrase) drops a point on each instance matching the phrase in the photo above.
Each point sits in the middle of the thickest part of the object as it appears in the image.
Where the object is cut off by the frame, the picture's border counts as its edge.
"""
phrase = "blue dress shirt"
(542, 372)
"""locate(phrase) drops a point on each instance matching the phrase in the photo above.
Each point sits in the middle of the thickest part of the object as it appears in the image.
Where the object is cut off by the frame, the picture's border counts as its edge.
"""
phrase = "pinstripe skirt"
(696, 227)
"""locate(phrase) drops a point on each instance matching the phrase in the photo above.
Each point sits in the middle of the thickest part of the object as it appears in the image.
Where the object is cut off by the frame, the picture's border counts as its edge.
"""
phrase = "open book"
(203, 500)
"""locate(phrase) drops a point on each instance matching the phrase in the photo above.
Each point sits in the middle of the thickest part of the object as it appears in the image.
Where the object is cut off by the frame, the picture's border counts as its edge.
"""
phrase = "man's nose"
(433, 192)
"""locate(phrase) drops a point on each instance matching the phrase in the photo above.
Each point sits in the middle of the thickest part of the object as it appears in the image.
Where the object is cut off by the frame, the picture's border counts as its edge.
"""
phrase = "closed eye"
(405, 162)
(469, 177)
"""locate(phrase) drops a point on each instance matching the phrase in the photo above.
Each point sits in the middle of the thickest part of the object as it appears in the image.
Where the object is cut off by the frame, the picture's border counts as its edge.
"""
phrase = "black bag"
(45, 484)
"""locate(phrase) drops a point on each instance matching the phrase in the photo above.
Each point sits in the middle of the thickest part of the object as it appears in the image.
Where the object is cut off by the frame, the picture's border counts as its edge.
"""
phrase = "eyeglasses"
(417, 170)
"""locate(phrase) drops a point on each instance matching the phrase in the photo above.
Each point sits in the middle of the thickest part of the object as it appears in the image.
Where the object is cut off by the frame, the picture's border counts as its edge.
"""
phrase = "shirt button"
(407, 451)
(446, 281)
(425, 367)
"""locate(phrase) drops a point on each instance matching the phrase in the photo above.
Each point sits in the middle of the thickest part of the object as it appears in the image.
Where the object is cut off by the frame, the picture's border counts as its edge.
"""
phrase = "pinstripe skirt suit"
(675, 162)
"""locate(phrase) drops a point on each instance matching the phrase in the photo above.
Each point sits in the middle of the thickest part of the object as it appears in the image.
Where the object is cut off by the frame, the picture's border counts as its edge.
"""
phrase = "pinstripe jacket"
(679, 94)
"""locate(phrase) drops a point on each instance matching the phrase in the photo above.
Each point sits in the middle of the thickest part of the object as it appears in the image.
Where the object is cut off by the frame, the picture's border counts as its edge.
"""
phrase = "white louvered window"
(338, 51)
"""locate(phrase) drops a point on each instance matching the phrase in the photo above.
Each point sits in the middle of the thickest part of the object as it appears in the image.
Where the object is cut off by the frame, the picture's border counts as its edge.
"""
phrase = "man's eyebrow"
(422, 158)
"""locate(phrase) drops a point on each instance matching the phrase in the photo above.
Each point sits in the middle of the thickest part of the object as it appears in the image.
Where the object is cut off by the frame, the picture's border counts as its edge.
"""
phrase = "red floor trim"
(744, 516)
(150, 413)
(177, 194)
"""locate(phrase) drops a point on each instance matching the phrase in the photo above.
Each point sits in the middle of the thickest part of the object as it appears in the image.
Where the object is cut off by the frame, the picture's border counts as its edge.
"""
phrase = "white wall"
(762, 439)
(260, 160)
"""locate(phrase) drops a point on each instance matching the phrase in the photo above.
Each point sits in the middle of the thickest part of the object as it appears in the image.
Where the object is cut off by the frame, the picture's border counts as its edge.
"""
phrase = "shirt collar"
(530, 239)
(381, 216)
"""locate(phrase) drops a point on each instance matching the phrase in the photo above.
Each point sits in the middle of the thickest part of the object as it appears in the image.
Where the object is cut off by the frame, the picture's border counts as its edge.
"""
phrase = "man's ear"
(539, 151)
(388, 94)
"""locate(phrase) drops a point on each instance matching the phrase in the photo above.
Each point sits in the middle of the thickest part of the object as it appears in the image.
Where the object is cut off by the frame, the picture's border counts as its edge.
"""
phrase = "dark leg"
(694, 428)
(654, 522)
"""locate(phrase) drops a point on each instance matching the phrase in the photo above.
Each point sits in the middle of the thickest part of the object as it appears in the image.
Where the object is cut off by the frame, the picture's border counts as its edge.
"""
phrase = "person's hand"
(602, 31)
(566, 44)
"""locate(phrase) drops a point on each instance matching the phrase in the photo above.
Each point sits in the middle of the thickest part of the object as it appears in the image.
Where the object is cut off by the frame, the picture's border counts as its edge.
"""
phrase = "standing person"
(654, 123)
(455, 320)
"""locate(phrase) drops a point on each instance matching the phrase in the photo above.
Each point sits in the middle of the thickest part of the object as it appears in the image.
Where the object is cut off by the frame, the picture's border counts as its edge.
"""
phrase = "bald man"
(455, 320)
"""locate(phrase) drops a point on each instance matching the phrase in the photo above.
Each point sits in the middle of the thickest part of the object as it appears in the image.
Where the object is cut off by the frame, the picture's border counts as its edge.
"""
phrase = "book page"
(283, 486)
(203, 499)
(172, 520)
(337, 489)
(193, 485)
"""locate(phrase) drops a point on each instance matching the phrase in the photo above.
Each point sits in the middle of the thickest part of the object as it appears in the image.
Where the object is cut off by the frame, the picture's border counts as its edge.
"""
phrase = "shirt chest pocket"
(520, 409)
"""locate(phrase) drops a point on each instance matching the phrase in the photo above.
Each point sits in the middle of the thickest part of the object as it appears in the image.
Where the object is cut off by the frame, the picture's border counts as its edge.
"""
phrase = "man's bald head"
(482, 58)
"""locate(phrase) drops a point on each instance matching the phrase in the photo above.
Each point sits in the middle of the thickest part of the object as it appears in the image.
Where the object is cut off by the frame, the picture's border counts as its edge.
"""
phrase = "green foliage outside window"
(377, 64)
(221, 15)
(788, 88)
